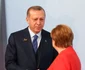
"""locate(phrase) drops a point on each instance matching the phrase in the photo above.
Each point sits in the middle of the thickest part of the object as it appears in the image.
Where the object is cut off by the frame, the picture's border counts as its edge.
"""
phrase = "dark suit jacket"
(21, 56)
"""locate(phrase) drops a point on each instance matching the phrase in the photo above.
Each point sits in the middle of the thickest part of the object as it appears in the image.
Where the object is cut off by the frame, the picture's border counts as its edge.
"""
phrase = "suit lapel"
(28, 45)
(42, 47)
(44, 40)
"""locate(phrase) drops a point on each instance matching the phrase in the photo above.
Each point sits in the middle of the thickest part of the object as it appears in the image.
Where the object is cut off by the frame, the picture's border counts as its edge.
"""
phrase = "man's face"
(36, 20)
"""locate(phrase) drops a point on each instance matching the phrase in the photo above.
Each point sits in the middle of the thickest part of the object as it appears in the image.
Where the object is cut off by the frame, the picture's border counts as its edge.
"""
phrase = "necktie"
(35, 44)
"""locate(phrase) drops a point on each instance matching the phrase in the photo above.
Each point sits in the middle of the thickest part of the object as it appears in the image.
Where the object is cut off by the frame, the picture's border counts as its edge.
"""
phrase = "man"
(20, 52)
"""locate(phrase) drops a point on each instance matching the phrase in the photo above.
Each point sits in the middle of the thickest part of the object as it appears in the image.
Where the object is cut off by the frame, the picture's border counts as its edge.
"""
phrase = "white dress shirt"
(32, 34)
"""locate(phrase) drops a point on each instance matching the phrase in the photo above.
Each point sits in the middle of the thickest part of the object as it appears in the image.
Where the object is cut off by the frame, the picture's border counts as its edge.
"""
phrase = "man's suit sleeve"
(11, 56)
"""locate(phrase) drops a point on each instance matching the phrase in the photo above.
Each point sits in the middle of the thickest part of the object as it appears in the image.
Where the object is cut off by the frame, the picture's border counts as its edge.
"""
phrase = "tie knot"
(35, 36)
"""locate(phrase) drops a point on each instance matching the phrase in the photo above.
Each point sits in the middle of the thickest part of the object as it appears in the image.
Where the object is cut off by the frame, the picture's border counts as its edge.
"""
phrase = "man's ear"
(27, 19)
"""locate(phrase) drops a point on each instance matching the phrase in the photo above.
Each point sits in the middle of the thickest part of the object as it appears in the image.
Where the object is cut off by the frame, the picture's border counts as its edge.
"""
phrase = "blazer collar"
(28, 45)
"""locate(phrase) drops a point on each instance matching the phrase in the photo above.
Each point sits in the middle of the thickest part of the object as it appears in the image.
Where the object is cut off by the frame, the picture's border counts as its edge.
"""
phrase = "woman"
(62, 40)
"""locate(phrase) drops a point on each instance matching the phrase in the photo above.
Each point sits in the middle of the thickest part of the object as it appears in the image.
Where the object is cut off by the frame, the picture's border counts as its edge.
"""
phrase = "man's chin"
(37, 31)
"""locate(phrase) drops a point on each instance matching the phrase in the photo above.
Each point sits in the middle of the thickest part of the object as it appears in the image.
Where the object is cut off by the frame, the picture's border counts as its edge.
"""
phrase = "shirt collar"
(32, 34)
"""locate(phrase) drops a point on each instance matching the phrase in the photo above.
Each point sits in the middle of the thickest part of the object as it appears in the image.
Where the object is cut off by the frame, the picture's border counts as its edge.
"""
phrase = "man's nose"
(38, 21)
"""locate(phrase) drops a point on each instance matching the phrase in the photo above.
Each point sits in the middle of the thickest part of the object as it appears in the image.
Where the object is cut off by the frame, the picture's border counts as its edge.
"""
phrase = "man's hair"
(62, 35)
(35, 8)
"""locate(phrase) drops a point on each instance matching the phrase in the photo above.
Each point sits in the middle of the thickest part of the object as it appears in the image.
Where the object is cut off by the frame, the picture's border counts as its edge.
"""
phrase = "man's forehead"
(37, 13)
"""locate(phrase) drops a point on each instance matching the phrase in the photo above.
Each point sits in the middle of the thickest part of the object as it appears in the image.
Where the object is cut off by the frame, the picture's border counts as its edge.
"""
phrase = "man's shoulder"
(19, 31)
(45, 33)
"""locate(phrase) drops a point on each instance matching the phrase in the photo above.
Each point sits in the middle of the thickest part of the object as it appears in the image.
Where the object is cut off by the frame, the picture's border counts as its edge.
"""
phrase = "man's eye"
(35, 19)
(41, 19)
